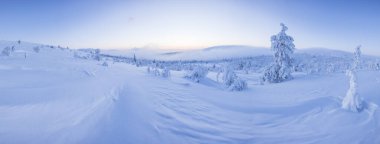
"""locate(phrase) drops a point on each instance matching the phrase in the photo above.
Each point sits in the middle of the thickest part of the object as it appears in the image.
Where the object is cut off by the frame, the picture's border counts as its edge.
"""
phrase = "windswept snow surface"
(51, 97)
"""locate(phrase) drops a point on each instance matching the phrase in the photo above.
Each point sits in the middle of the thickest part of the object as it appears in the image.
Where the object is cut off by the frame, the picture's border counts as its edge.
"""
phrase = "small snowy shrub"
(6, 51)
(232, 81)
(96, 54)
(283, 48)
(228, 76)
(79, 55)
(352, 101)
(197, 73)
(217, 75)
(238, 84)
(36, 49)
(275, 74)
(148, 69)
(105, 64)
(156, 72)
(165, 73)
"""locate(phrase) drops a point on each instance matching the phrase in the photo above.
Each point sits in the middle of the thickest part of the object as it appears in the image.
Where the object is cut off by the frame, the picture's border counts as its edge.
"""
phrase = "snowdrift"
(54, 97)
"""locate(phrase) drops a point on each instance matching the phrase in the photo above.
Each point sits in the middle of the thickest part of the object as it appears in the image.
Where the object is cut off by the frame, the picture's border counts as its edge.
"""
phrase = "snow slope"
(52, 97)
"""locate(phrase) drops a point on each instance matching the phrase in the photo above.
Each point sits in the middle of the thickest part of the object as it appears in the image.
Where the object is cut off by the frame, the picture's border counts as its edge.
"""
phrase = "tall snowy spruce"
(283, 48)
(353, 101)
(357, 58)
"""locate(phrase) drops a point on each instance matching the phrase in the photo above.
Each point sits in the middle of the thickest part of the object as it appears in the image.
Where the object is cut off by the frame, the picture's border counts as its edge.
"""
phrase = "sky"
(187, 24)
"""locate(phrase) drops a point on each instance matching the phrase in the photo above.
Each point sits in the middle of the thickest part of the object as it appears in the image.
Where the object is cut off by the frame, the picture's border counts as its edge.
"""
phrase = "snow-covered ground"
(52, 97)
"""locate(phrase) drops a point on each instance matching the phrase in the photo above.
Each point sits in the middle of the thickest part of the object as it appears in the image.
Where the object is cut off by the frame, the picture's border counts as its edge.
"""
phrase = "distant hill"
(221, 52)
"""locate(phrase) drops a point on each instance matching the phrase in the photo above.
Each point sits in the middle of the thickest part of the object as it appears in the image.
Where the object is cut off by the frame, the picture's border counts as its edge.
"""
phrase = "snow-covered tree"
(217, 75)
(96, 54)
(156, 72)
(134, 58)
(232, 81)
(105, 64)
(283, 48)
(357, 58)
(36, 49)
(165, 72)
(148, 70)
(238, 84)
(352, 101)
(198, 73)
(228, 76)
(6, 51)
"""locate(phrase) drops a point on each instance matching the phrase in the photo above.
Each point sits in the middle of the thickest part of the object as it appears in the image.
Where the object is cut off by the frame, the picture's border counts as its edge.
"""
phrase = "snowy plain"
(53, 97)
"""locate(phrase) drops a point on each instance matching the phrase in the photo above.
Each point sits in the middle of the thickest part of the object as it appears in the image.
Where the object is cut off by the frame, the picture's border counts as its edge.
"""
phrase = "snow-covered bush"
(6, 51)
(275, 73)
(148, 69)
(80, 55)
(197, 73)
(283, 48)
(217, 75)
(352, 101)
(153, 70)
(36, 49)
(95, 54)
(165, 73)
(105, 64)
(228, 76)
(238, 84)
(156, 72)
(232, 81)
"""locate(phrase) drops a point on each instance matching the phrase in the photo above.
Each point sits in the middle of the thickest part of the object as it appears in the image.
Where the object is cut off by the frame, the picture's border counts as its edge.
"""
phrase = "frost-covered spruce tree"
(353, 101)
(283, 48)
(357, 58)
(134, 59)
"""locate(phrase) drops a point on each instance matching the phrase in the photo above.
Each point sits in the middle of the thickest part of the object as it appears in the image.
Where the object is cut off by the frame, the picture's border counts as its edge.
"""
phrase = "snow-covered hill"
(220, 52)
(56, 96)
(211, 53)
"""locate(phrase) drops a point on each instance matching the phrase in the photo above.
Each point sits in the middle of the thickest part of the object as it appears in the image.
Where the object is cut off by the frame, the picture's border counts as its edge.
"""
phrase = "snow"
(211, 53)
(54, 97)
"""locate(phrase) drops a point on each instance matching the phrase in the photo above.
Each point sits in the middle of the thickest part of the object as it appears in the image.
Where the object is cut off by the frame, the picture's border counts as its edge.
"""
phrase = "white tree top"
(284, 28)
